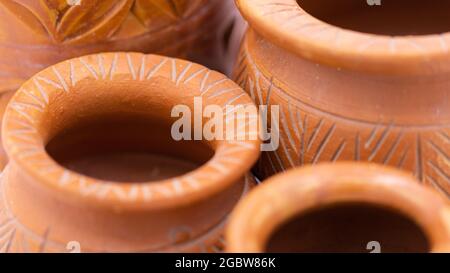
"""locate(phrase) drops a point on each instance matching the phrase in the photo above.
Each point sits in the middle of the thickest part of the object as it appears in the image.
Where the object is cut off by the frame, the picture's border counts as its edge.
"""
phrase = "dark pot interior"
(391, 17)
(126, 148)
(348, 228)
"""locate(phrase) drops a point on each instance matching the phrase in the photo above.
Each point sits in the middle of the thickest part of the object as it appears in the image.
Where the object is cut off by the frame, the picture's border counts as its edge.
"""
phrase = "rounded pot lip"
(277, 200)
(25, 145)
(287, 25)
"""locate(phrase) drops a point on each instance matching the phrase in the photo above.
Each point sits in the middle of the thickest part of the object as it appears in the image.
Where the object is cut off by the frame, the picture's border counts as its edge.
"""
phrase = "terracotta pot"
(93, 160)
(352, 95)
(37, 34)
(342, 207)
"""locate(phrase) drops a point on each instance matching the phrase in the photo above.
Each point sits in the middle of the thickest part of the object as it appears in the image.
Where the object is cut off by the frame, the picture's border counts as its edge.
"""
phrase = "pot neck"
(356, 96)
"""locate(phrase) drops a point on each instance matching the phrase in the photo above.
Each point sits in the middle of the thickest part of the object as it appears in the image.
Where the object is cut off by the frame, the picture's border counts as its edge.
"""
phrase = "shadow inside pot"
(384, 17)
(126, 148)
(349, 228)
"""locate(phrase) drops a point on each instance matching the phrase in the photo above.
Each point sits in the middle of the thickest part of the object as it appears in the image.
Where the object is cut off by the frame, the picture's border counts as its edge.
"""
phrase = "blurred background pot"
(353, 82)
(94, 164)
(35, 34)
(342, 207)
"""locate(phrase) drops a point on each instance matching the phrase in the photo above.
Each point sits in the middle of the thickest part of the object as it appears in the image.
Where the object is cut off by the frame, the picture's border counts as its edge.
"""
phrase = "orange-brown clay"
(35, 34)
(341, 207)
(93, 161)
(352, 84)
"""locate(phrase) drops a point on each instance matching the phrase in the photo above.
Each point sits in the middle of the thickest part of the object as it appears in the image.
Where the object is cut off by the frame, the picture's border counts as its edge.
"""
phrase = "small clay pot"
(342, 207)
(37, 34)
(93, 162)
(353, 82)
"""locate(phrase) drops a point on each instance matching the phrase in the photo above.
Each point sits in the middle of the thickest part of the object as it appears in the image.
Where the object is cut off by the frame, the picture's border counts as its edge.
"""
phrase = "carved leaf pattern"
(159, 13)
(95, 20)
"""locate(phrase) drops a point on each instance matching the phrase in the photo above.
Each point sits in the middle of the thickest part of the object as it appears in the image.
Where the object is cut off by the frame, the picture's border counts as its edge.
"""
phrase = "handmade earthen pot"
(35, 34)
(353, 82)
(341, 207)
(94, 162)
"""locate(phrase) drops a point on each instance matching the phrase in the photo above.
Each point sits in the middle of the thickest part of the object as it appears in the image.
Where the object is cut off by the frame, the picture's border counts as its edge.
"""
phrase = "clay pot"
(93, 162)
(351, 84)
(342, 207)
(37, 34)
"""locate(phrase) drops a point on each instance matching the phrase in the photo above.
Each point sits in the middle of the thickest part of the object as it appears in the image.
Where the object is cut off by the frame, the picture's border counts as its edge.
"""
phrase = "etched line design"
(253, 68)
(89, 68)
(286, 152)
(44, 241)
(25, 105)
(213, 84)
(444, 136)
(222, 92)
(286, 130)
(338, 152)
(252, 86)
(372, 136)
(221, 168)
(42, 91)
(50, 82)
(380, 143)
(314, 134)
(183, 73)
(61, 79)
(101, 65)
(21, 111)
(142, 69)
(174, 70)
(357, 147)
(403, 158)
(393, 148)
(9, 240)
(232, 100)
(323, 144)
(113, 67)
(34, 98)
(439, 171)
(73, 79)
(302, 138)
(419, 163)
(23, 134)
(156, 68)
(131, 67)
(439, 150)
(294, 122)
(437, 186)
(204, 80)
(195, 74)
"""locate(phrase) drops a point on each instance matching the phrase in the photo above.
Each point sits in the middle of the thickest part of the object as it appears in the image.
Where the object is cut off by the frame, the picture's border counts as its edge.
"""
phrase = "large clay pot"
(341, 207)
(93, 161)
(347, 94)
(35, 34)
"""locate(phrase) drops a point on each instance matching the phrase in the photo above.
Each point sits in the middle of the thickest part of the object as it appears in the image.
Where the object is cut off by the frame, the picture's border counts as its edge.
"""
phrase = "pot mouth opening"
(129, 147)
(72, 123)
(383, 17)
(348, 227)
(340, 34)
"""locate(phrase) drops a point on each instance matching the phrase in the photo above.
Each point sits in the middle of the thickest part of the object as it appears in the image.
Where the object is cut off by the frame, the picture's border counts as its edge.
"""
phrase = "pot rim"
(276, 201)
(288, 26)
(25, 146)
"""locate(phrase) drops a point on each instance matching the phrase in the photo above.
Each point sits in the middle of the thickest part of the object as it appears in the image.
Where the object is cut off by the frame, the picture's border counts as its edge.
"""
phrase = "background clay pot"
(36, 34)
(93, 161)
(342, 207)
(347, 95)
